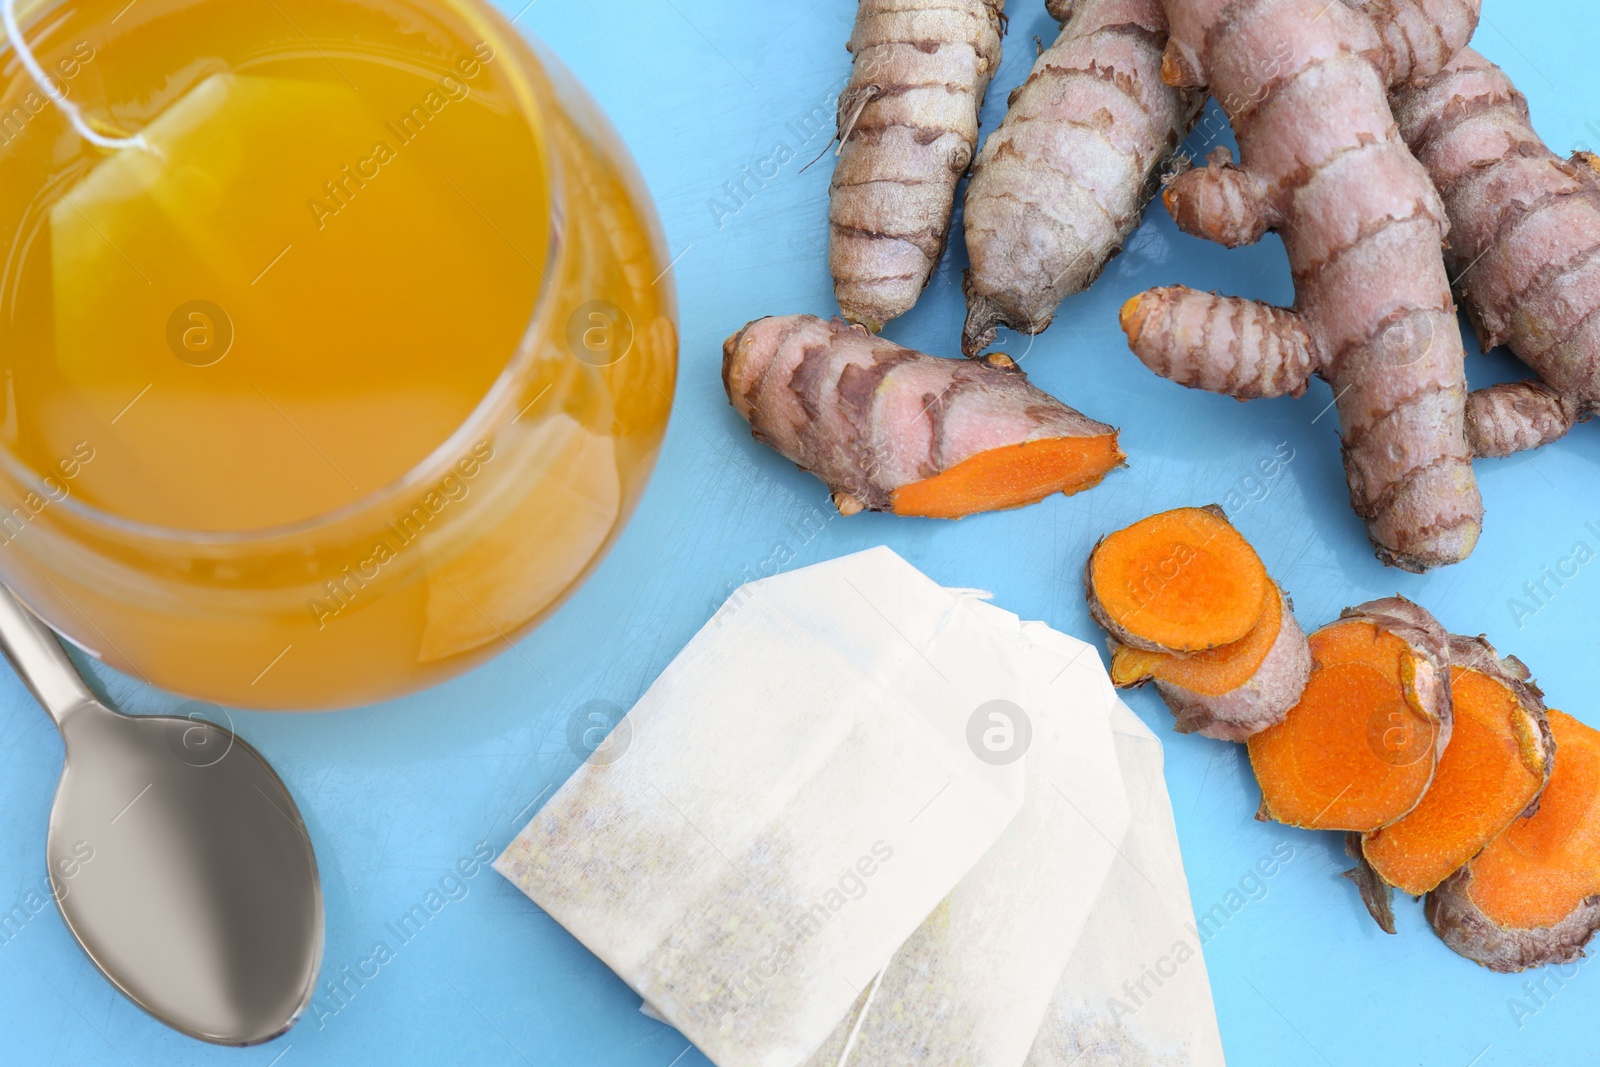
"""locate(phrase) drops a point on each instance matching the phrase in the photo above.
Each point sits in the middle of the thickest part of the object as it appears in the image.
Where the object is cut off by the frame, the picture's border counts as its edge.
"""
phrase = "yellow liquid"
(293, 296)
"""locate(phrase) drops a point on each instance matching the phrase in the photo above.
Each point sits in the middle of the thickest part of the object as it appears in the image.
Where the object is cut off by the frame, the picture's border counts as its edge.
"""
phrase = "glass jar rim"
(536, 98)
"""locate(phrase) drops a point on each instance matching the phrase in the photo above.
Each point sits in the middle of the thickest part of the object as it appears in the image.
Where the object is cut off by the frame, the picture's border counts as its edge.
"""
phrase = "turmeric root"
(889, 429)
(1513, 417)
(1175, 591)
(1360, 748)
(908, 126)
(1063, 181)
(1499, 759)
(1524, 246)
(1533, 896)
(1304, 83)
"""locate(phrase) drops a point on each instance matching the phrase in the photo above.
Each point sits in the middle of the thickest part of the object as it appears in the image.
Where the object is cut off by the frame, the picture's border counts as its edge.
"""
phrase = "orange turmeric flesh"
(1214, 672)
(1358, 751)
(1011, 476)
(1180, 581)
(1491, 771)
(1543, 867)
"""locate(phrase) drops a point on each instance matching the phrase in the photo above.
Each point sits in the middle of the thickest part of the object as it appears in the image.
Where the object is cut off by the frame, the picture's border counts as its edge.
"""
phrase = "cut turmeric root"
(890, 429)
(1532, 897)
(1181, 581)
(1188, 603)
(1499, 759)
(1360, 748)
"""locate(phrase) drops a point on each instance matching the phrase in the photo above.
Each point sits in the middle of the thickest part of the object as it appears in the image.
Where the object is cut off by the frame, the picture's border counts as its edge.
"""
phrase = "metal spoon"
(177, 857)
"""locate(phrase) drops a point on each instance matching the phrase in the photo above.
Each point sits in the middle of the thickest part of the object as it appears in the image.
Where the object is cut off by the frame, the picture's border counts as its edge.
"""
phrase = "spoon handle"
(41, 662)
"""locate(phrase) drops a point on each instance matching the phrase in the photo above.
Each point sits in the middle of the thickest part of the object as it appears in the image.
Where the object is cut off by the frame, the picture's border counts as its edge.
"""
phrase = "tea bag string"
(58, 95)
(861, 1017)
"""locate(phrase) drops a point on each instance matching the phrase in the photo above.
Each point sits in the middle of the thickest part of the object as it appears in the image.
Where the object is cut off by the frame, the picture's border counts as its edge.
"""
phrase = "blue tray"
(710, 94)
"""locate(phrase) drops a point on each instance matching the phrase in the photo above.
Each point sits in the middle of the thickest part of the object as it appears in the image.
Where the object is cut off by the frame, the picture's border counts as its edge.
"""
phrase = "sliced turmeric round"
(1181, 581)
(1498, 761)
(1234, 691)
(1532, 896)
(1360, 748)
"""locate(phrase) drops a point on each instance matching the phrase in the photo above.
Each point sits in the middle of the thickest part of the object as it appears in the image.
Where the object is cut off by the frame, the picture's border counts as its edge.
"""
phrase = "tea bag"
(971, 986)
(796, 796)
(164, 217)
(567, 496)
(1136, 993)
(253, 191)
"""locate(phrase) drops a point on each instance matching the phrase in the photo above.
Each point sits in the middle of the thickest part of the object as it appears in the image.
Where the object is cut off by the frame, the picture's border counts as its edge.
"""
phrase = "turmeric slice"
(1233, 692)
(1181, 581)
(1498, 762)
(1533, 896)
(1215, 671)
(890, 429)
(1360, 748)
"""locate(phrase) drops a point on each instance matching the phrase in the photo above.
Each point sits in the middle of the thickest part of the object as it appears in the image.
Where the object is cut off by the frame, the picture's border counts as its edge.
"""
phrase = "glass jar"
(443, 567)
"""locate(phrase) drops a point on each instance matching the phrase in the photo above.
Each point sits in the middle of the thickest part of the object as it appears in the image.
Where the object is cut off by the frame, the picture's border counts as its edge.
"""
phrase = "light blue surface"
(395, 796)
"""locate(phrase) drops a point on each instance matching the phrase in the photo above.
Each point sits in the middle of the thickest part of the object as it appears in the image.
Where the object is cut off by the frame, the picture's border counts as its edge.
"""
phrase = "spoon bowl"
(192, 883)
(177, 856)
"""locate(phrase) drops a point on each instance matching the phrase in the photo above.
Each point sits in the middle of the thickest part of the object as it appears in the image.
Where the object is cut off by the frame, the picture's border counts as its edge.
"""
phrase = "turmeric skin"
(890, 429)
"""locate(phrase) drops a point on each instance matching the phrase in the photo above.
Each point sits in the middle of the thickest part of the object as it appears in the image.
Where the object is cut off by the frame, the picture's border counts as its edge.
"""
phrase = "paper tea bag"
(230, 207)
(972, 985)
(1135, 993)
(798, 795)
